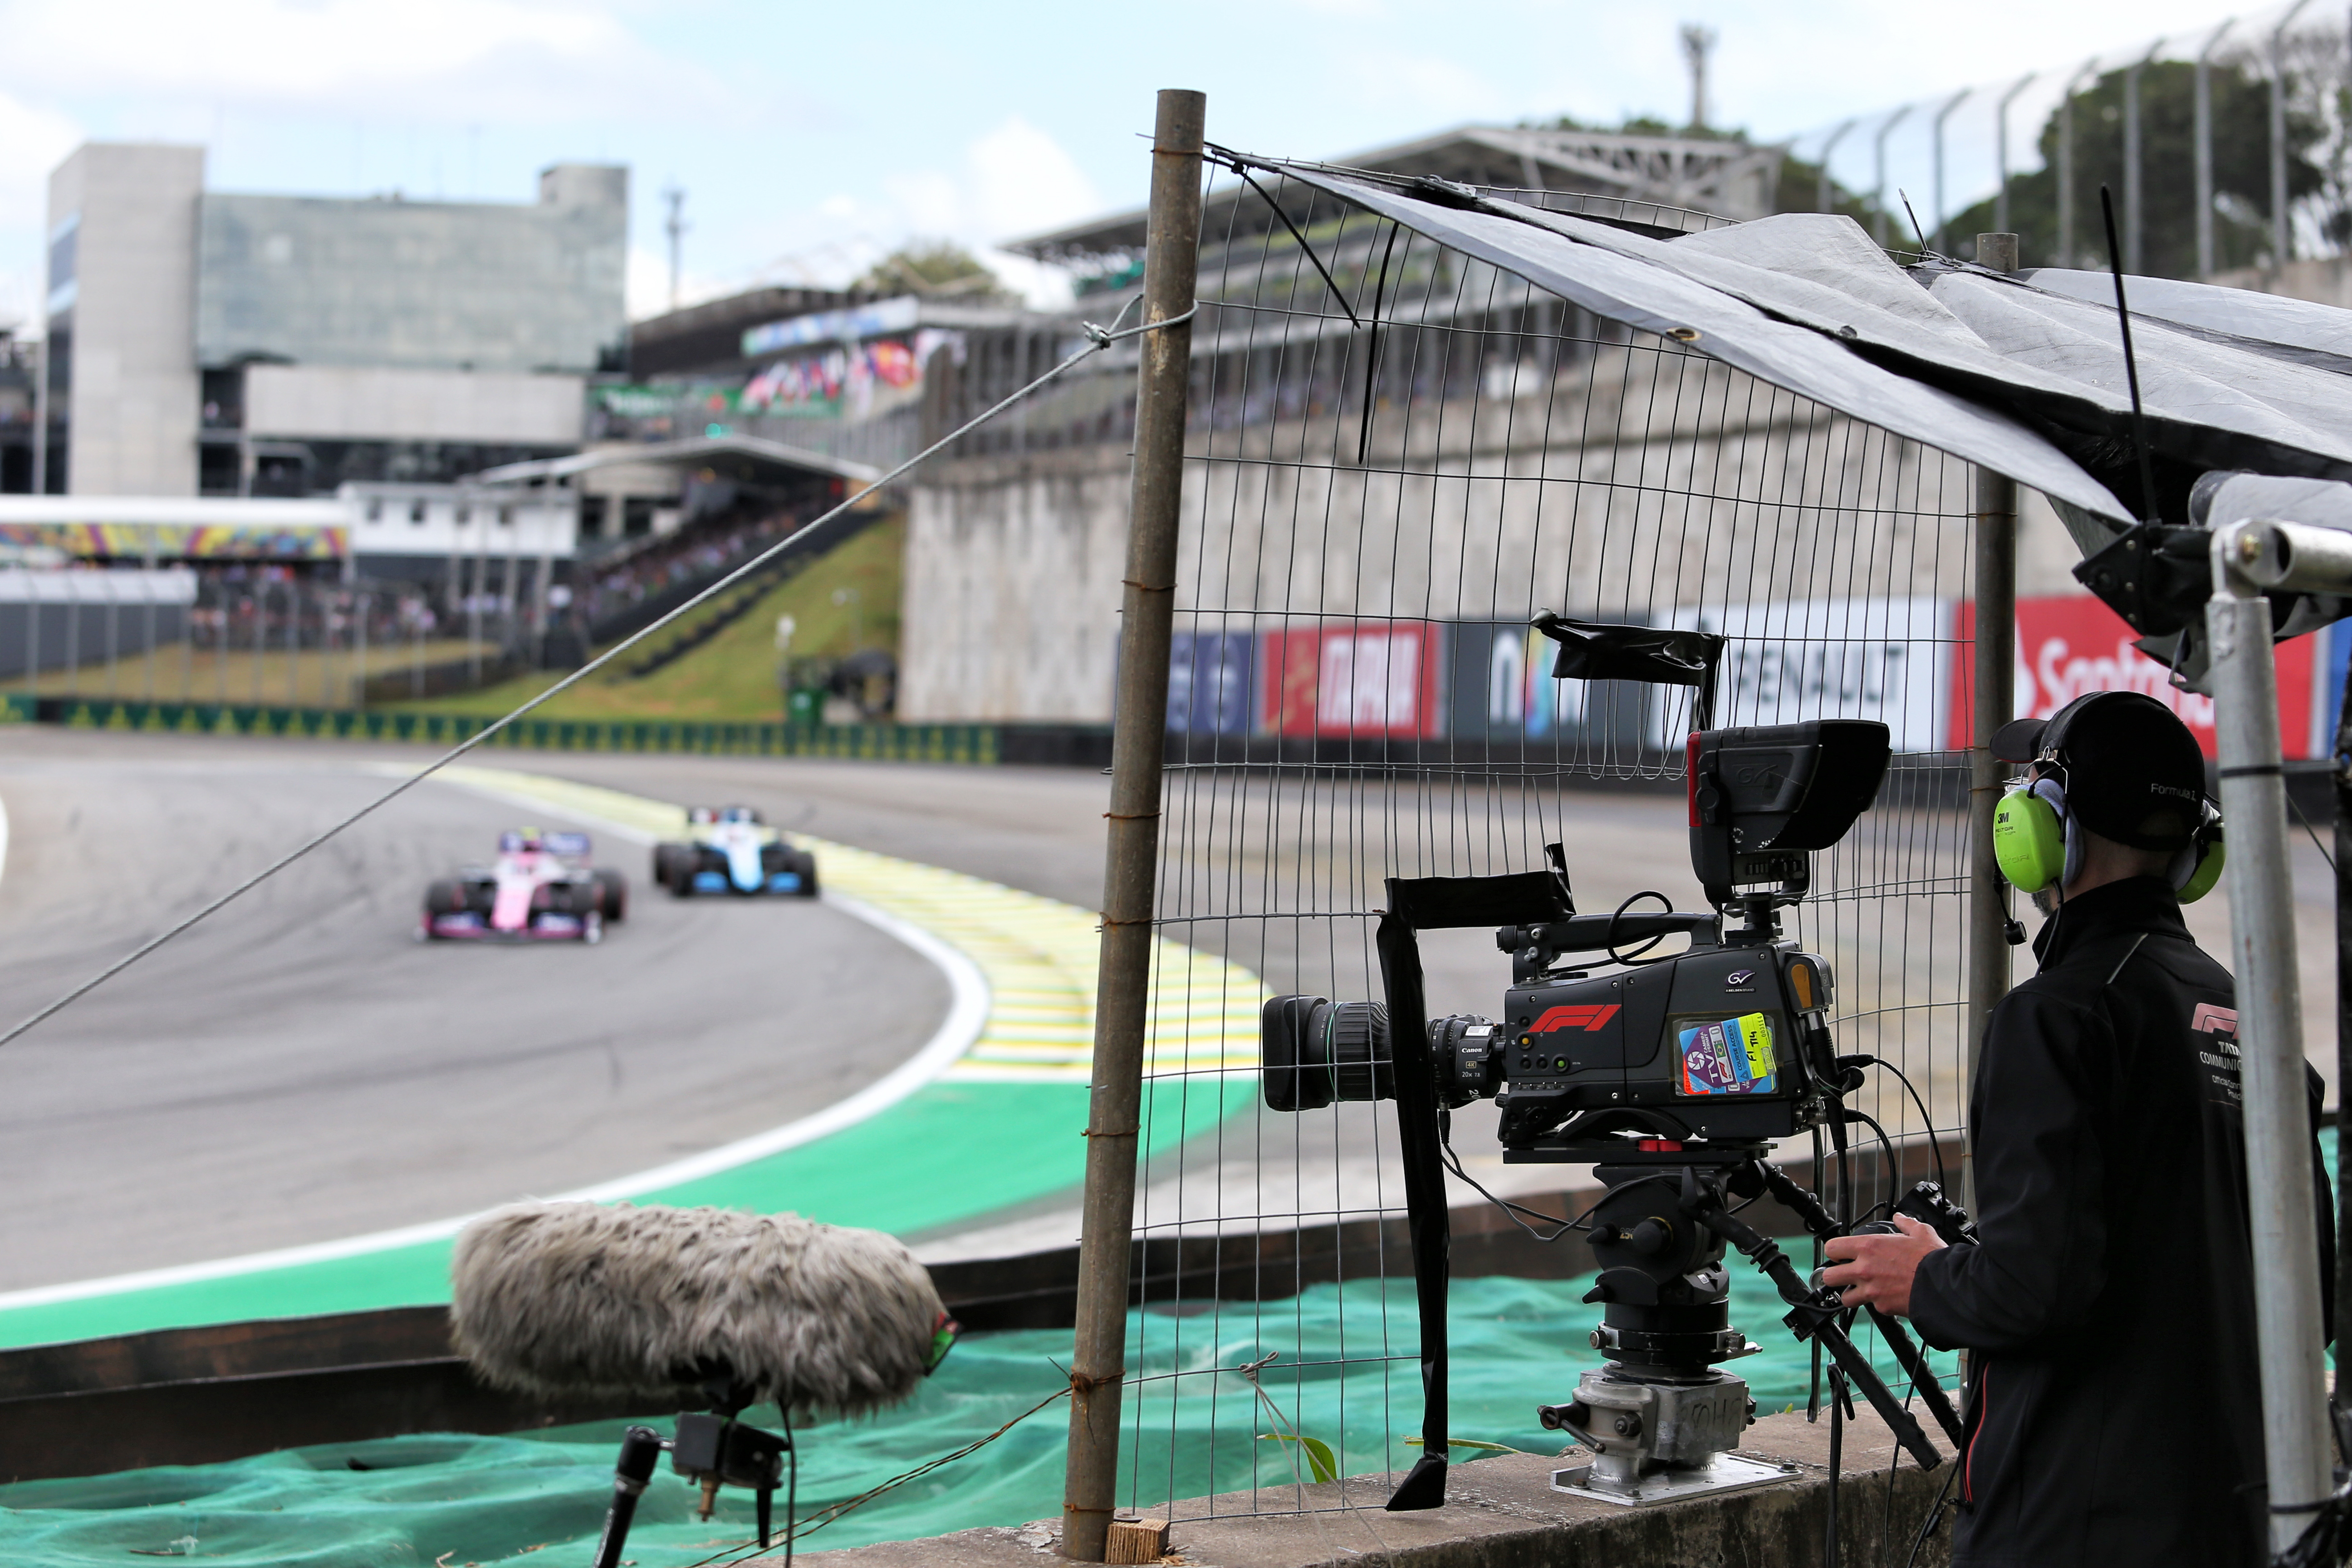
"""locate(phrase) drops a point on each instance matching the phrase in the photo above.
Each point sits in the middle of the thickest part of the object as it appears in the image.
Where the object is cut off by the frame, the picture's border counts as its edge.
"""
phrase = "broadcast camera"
(1673, 1074)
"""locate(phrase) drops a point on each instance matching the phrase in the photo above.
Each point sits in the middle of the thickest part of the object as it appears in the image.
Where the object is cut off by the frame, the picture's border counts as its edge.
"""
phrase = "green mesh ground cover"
(490, 1500)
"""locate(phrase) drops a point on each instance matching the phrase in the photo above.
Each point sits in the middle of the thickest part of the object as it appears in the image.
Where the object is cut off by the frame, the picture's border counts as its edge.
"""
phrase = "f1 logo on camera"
(1588, 1018)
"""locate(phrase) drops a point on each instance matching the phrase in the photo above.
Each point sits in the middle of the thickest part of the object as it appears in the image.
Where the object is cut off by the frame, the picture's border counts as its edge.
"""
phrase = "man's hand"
(1876, 1270)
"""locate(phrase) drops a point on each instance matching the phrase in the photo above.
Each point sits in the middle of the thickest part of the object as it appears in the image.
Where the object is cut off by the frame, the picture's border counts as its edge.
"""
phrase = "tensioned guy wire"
(1097, 339)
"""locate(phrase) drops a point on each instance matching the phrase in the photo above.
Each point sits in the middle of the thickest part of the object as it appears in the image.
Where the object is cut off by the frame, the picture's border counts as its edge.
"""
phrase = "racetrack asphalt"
(299, 1069)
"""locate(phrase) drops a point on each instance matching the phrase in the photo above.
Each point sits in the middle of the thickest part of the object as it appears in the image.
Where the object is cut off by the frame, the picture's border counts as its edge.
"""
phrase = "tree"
(2241, 178)
(939, 268)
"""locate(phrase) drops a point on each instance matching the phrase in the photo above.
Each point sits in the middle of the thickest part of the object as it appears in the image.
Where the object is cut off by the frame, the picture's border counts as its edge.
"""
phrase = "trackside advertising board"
(1212, 683)
(1904, 661)
(1501, 690)
(1888, 660)
(2073, 643)
(1365, 679)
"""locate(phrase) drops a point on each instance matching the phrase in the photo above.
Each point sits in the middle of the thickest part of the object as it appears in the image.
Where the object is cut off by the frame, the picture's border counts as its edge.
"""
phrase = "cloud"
(1013, 179)
(479, 60)
(1023, 182)
(38, 140)
(647, 284)
(1418, 88)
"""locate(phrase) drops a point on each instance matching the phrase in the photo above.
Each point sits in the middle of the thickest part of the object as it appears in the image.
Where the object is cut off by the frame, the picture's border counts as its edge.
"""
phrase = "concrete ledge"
(1501, 1512)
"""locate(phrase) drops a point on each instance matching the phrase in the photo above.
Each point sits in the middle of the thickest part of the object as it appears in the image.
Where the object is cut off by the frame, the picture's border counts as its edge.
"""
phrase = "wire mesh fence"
(1398, 456)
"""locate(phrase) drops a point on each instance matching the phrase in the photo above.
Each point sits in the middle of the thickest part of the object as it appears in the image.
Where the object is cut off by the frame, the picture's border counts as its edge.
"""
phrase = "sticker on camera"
(1728, 1055)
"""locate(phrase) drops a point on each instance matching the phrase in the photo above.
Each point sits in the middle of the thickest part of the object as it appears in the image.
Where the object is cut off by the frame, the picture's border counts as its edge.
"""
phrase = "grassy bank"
(733, 675)
(178, 673)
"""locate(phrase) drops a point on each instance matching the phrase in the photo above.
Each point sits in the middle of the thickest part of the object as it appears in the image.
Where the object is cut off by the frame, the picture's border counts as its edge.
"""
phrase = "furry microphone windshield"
(579, 1298)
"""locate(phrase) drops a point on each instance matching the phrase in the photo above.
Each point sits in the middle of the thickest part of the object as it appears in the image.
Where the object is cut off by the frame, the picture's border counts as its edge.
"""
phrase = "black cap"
(2133, 771)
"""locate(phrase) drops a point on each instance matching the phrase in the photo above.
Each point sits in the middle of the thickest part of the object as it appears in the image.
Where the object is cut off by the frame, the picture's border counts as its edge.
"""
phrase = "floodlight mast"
(2251, 557)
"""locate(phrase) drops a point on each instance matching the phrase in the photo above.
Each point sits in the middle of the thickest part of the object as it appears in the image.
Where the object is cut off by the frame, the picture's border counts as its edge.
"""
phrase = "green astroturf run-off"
(948, 1153)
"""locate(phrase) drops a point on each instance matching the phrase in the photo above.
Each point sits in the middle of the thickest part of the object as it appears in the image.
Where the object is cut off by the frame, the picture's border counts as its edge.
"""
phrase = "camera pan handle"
(1809, 1319)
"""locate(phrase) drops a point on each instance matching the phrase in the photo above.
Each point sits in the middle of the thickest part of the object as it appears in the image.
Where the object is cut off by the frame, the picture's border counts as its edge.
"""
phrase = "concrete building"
(414, 532)
(218, 343)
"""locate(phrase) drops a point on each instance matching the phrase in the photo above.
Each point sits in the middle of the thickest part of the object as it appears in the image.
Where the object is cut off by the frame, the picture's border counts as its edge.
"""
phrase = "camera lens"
(1358, 1036)
(1313, 1051)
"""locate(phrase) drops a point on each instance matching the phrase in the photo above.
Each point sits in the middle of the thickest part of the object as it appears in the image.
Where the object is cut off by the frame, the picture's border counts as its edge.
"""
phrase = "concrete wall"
(419, 285)
(129, 309)
(2322, 281)
(349, 402)
(1675, 483)
(1011, 604)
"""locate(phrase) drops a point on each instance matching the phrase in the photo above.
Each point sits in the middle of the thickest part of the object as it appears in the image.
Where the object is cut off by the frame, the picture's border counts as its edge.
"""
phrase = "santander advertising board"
(2071, 645)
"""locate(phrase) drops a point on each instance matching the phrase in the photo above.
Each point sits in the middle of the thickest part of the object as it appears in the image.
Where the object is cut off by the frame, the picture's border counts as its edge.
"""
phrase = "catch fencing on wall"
(1398, 456)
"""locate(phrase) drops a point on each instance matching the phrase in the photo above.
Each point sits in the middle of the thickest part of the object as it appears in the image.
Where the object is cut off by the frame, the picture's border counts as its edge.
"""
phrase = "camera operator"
(2113, 1407)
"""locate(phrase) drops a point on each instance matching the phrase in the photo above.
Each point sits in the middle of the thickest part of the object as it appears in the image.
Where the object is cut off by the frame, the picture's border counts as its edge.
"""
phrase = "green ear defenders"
(2037, 845)
(2034, 837)
(2197, 867)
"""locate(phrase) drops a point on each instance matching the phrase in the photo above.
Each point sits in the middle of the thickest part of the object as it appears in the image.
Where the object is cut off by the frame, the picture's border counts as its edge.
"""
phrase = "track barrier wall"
(971, 743)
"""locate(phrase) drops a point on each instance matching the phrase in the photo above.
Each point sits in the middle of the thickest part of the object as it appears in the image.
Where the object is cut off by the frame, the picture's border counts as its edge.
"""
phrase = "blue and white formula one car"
(541, 888)
(729, 851)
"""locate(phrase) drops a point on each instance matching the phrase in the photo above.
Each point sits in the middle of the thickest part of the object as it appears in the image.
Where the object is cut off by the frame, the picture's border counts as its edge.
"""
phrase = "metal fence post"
(2340, 766)
(2204, 133)
(1993, 689)
(2281, 226)
(2269, 1043)
(1139, 722)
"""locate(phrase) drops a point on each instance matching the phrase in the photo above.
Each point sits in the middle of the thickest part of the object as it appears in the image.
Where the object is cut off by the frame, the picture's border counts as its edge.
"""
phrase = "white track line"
(968, 1010)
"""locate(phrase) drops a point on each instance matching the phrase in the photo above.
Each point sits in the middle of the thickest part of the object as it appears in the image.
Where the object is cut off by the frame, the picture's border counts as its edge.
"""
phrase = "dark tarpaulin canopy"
(2021, 374)
(2021, 377)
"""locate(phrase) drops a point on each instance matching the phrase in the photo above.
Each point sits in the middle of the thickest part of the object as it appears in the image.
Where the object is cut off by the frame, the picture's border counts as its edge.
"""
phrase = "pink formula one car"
(542, 889)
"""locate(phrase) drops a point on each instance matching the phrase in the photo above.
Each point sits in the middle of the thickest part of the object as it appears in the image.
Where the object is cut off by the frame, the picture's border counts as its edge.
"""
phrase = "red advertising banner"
(1371, 679)
(2071, 643)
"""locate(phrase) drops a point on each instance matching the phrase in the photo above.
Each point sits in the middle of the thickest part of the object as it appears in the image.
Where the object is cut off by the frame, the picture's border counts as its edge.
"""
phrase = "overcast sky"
(808, 137)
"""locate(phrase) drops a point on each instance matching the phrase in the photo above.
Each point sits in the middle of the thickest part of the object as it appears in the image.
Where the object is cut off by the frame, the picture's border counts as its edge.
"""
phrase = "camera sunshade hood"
(1762, 798)
(1592, 650)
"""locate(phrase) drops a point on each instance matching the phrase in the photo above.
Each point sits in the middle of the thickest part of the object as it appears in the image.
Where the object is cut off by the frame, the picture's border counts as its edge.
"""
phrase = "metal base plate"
(1724, 1473)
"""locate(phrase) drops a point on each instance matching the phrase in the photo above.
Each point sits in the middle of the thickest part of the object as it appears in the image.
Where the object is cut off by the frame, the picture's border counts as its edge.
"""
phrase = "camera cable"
(1886, 1145)
(1935, 1145)
(1635, 960)
(1935, 1517)
(1560, 1227)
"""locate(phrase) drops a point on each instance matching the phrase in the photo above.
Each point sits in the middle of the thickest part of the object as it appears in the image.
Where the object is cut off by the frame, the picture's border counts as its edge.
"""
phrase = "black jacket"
(2114, 1408)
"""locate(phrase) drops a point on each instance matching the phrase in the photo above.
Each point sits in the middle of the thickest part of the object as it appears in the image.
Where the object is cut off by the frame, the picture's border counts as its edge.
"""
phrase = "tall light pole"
(1825, 190)
(1941, 115)
(2067, 163)
(675, 226)
(2205, 149)
(2281, 238)
(2133, 227)
(40, 422)
(1878, 191)
(2000, 153)
(1698, 42)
